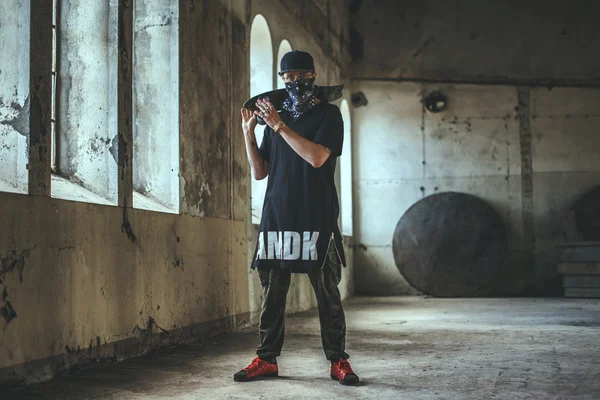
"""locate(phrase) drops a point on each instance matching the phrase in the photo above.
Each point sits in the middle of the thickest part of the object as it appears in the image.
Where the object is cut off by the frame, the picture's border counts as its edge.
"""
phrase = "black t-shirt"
(301, 208)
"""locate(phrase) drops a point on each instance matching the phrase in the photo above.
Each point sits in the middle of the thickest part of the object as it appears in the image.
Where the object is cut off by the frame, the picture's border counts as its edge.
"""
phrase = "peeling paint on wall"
(113, 149)
(178, 263)
(14, 261)
(199, 196)
(20, 121)
(8, 313)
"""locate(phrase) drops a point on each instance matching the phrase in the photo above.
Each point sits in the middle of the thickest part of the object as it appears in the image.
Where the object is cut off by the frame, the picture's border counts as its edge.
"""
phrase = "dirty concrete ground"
(401, 347)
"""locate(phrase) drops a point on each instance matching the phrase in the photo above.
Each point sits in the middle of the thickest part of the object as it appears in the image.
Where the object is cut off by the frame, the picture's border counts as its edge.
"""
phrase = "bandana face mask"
(301, 96)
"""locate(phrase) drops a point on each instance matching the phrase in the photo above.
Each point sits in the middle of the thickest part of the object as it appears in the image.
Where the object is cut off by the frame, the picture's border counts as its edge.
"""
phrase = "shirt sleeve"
(265, 146)
(331, 131)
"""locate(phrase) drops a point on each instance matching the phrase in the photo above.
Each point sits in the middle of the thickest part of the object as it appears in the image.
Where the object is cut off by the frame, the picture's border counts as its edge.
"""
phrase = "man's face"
(292, 76)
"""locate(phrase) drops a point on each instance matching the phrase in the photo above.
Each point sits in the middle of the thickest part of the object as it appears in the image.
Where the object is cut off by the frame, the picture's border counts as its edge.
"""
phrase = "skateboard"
(277, 97)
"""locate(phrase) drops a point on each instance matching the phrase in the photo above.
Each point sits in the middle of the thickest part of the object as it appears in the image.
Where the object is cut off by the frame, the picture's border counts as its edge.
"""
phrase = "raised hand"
(248, 120)
(267, 112)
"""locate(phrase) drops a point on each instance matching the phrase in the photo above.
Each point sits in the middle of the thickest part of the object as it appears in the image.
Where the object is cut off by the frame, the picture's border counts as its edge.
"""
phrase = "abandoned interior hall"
(463, 248)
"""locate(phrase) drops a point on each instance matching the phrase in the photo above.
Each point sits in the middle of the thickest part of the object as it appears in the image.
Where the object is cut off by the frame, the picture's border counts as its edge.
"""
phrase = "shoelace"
(254, 364)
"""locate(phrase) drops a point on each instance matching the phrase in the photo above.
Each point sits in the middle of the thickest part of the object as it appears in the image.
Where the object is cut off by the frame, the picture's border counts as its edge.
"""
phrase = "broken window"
(14, 95)
(156, 105)
(346, 172)
(261, 80)
(86, 144)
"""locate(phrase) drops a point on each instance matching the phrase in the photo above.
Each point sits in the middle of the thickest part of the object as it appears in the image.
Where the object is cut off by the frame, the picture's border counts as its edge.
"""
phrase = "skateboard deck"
(277, 97)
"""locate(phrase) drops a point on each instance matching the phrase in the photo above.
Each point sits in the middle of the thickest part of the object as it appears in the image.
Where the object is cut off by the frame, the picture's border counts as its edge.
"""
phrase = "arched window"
(346, 172)
(284, 47)
(261, 80)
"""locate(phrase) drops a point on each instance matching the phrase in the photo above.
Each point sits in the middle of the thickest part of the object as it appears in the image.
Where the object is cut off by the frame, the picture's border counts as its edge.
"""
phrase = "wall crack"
(126, 226)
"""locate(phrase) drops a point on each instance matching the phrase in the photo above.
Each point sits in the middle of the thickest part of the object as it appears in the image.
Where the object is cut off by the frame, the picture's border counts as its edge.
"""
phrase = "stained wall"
(87, 283)
(519, 132)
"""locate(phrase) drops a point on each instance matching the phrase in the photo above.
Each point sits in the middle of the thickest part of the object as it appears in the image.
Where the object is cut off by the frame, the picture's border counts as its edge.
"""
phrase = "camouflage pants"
(276, 282)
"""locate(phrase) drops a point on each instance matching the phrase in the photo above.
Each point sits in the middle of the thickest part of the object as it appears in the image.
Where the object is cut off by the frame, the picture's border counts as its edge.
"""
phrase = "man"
(298, 230)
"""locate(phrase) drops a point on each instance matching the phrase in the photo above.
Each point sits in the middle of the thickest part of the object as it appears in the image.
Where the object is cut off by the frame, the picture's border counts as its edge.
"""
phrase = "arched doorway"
(284, 47)
(261, 80)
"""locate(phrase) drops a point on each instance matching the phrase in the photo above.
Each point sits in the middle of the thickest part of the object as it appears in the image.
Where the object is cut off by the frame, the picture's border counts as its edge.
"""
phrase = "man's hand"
(267, 112)
(260, 168)
(248, 121)
(314, 154)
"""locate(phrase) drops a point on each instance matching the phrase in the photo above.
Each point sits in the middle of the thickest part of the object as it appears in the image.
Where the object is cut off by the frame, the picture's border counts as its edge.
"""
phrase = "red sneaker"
(257, 368)
(341, 371)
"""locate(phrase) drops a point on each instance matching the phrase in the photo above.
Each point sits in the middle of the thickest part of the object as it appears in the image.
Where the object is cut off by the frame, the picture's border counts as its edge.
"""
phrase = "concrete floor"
(402, 348)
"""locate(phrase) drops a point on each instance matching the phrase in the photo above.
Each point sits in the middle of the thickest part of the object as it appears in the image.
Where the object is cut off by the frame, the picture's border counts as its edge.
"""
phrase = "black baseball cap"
(296, 60)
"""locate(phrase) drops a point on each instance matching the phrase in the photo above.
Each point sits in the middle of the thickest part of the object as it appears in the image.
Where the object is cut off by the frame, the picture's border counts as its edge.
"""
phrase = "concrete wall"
(85, 283)
(473, 147)
(529, 151)
(565, 123)
(514, 41)
(80, 288)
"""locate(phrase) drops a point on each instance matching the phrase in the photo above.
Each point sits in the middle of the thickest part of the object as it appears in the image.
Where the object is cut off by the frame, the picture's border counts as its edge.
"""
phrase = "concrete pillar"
(40, 94)
(125, 108)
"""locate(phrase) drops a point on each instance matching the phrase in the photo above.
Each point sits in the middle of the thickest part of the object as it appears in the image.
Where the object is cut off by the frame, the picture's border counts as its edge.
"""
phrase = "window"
(156, 105)
(346, 172)
(284, 47)
(53, 139)
(14, 95)
(85, 142)
(84, 95)
(85, 100)
(261, 80)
